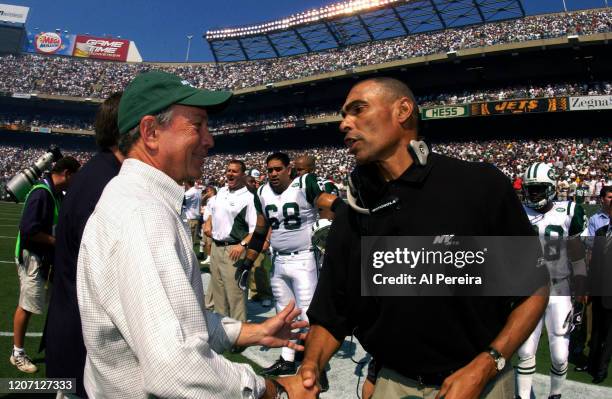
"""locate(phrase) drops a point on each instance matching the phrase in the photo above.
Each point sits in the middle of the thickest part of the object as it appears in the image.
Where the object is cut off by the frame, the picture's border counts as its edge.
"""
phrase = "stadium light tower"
(189, 37)
(564, 6)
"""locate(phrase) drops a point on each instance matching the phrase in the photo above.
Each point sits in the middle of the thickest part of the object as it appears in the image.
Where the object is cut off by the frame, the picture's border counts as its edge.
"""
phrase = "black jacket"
(600, 270)
(63, 339)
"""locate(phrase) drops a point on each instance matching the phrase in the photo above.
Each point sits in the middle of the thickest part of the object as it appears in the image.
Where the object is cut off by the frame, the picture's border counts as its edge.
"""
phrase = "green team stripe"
(569, 207)
(535, 170)
(529, 171)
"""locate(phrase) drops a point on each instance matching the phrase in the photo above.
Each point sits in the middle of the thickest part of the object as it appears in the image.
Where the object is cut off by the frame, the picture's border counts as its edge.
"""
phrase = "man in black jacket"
(65, 350)
(601, 289)
(452, 347)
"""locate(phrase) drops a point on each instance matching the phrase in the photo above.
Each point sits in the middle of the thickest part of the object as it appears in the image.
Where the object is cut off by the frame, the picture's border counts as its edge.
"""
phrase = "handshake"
(243, 267)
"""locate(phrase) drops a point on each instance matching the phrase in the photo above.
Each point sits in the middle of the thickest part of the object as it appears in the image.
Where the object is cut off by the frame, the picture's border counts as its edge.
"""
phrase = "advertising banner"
(38, 129)
(26, 96)
(101, 48)
(12, 13)
(50, 43)
(248, 129)
(451, 111)
(520, 106)
(587, 103)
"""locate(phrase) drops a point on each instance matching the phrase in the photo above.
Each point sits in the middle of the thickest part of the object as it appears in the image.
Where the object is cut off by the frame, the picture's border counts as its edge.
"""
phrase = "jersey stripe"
(535, 170)
(529, 171)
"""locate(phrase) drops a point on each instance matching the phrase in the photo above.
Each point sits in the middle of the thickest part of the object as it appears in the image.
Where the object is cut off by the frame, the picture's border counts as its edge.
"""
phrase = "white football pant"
(555, 315)
(294, 277)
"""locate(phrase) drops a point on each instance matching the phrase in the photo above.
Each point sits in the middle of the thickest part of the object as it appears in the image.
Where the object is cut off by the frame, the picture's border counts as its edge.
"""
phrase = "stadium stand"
(97, 79)
(576, 159)
(25, 119)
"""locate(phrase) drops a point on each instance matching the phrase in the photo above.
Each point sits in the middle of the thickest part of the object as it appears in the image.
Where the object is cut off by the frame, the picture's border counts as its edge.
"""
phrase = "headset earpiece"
(419, 151)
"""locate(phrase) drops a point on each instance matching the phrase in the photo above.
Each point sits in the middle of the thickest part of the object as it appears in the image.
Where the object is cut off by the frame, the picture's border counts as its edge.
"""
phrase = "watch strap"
(495, 354)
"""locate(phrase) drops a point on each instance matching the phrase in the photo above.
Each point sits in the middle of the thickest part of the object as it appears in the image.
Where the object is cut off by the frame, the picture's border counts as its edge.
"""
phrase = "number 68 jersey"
(291, 213)
(564, 220)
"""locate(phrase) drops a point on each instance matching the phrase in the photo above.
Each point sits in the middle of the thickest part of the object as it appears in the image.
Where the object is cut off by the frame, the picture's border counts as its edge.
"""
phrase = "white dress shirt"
(193, 197)
(141, 299)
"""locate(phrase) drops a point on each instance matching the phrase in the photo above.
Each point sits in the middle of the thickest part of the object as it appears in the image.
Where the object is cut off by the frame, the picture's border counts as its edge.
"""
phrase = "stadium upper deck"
(85, 78)
(352, 22)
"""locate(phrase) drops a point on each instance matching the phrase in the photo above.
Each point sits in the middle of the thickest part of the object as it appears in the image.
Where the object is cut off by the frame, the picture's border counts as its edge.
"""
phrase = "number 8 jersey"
(291, 213)
(564, 220)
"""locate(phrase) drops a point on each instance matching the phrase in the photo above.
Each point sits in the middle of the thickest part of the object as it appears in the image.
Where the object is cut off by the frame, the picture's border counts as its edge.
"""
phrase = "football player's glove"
(574, 317)
(320, 231)
(243, 267)
(539, 185)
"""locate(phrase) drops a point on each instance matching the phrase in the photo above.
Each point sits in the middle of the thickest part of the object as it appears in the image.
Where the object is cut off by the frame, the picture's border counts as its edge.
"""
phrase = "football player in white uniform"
(307, 164)
(558, 223)
(290, 208)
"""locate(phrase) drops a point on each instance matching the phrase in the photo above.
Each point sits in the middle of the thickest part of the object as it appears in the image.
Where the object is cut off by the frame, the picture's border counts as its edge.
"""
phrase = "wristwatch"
(281, 393)
(500, 361)
(244, 244)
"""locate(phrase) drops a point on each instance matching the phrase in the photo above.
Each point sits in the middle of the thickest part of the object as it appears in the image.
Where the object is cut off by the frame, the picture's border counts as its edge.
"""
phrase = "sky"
(160, 28)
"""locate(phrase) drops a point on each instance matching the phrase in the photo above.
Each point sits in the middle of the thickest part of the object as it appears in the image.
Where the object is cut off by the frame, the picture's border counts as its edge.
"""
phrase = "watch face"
(501, 363)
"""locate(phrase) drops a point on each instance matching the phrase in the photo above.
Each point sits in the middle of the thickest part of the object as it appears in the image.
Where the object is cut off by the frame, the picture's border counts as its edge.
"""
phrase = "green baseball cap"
(153, 91)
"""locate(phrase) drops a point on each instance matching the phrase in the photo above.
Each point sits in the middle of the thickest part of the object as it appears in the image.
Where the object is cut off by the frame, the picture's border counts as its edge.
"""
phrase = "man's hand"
(235, 251)
(275, 332)
(207, 229)
(469, 381)
(295, 388)
(309, 376)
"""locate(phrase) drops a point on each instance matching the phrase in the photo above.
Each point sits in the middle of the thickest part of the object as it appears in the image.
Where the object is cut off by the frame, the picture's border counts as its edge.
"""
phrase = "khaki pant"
(259, 280)
(391, 384)
(33, 293)
(193, 227)
(229, 299)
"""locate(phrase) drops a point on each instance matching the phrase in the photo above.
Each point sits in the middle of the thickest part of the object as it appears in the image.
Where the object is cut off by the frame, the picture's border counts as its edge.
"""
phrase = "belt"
(429, 379)
(225, 243)
(293, 253)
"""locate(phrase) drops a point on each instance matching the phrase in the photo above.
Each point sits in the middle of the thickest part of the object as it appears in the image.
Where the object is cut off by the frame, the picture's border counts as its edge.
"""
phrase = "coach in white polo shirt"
(233, 220)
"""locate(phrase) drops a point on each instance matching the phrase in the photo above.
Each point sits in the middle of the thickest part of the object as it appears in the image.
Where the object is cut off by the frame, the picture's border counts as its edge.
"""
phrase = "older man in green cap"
(140, 292)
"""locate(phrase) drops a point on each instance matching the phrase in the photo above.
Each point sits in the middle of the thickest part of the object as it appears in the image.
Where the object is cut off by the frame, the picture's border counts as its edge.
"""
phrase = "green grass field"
(9, 293)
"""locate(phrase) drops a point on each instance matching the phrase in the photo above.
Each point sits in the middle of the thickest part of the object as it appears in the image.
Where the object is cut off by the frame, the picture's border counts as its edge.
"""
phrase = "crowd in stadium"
(224, 124)
(577, 161)
(87, 78)
(24, 121)
(518, 91)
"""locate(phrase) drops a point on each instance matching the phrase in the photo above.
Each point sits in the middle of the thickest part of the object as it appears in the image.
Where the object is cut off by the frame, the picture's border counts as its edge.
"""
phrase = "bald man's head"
(392, 89)
(304, 164)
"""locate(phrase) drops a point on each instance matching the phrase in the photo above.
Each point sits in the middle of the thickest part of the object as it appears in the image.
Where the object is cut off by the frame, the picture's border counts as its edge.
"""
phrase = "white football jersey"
(291, 213)
(565, 219)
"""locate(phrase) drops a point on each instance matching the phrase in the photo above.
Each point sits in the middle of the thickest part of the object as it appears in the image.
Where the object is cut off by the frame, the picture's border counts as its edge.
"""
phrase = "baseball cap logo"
(187, 83)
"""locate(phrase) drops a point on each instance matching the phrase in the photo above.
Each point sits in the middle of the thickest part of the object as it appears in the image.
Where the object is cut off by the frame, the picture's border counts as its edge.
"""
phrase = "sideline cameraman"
(35, 250)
